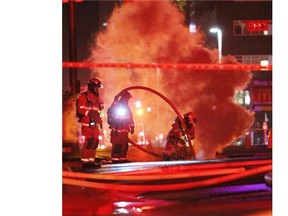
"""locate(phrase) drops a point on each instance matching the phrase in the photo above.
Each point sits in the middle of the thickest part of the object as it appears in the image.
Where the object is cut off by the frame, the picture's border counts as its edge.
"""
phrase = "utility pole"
(74, 82)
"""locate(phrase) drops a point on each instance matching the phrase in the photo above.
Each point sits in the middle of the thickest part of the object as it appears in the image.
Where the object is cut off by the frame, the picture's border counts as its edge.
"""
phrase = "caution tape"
(178, 66)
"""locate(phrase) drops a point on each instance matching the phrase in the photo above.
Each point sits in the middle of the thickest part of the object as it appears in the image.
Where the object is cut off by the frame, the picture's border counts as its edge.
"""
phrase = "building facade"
(247, 34)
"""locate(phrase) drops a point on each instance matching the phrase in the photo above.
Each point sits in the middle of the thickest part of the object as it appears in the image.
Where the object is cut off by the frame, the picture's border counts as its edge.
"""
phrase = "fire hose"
(174, 109)
(153, 176)
(168, 187)
(144, 150)
(211, 172)
(213, 167)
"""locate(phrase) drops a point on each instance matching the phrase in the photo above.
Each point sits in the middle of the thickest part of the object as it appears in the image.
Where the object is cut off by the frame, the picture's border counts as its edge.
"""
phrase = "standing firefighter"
(89, 105)
(120, 120)
(178, 136)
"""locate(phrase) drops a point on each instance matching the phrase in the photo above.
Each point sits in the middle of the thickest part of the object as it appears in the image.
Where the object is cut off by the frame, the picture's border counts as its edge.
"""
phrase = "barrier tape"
(178, 66)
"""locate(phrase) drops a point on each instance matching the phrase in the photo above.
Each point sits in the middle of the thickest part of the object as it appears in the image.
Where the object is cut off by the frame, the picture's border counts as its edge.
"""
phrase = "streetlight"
(140, 113)
(219, 38)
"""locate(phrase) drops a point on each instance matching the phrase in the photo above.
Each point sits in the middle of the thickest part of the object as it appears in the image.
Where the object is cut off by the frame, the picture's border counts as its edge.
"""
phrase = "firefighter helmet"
(93, 85)
(190, 117)
(125, 95)
(94, 82)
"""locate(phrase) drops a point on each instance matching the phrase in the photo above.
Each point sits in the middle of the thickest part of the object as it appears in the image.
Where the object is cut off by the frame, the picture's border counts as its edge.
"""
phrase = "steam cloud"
(154, 31)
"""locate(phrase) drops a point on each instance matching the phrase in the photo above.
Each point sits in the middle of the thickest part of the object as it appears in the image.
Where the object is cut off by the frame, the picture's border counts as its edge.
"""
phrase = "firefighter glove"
(132, 130)
(93, 113)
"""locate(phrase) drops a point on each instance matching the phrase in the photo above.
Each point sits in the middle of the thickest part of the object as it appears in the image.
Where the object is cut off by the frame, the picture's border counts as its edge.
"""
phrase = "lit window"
(264, 62)
(242, 98)
(192, 28)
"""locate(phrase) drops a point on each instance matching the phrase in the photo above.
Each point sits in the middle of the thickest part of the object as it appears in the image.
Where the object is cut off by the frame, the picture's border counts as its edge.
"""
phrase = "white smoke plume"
(154, 31)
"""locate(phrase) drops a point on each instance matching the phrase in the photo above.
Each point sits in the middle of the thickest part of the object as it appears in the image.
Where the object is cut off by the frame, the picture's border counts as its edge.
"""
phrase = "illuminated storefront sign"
(262, 95)
(257, 25)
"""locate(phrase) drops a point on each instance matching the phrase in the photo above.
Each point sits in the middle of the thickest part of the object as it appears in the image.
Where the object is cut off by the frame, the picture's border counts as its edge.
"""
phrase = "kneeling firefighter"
(120, 120)
(175, 148)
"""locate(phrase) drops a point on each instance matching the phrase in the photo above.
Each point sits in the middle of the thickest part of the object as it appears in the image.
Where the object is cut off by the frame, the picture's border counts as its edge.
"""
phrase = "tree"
(195, 9)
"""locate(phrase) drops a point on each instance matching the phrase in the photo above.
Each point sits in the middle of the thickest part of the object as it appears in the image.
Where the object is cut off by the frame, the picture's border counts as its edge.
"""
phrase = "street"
(210, 187)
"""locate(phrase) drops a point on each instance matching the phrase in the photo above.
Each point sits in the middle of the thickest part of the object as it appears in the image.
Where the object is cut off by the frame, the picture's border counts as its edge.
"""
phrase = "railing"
(253, 59)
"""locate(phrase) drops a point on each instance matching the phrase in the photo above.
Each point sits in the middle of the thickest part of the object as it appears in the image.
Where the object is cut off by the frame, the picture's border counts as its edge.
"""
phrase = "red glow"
(205, 67)
(257, 25)
(77, 1)
(166, 57)
(168, 187)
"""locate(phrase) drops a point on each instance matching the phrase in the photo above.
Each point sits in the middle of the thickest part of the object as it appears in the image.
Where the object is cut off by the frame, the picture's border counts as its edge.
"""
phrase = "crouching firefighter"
(178, 136)
(89, 105)
(120, 120)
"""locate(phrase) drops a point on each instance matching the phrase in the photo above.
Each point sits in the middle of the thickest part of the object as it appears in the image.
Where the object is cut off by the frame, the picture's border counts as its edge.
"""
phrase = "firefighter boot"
(89, 167)
(115, 155)
(166, 157)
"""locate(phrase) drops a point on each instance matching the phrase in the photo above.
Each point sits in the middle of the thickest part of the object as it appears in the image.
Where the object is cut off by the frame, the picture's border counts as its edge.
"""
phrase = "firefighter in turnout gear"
(175, 148)
(89, 105)
(120, 120)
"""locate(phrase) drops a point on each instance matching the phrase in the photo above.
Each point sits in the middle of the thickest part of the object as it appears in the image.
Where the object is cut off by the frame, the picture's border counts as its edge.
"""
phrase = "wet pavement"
(126, 194)
(208, 201)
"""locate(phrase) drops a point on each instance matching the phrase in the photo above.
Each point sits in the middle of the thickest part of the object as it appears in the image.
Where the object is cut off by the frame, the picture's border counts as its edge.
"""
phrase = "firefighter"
(177, 139)
(89, 105)
(190, 120)
(173, 139)
(120, 120)
(258, 134)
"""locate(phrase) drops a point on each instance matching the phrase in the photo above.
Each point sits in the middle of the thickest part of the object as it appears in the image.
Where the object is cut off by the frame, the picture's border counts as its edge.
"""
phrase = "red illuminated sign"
(262, 95)
(257, 25)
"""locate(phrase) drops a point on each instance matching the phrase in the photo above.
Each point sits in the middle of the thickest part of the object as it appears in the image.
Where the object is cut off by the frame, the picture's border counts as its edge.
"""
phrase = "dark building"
(89, 18)
(234, 18)
(246, 28)
(247, 34)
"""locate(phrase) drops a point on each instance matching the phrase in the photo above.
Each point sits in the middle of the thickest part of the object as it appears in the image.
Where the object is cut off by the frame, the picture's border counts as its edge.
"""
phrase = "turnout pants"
(119, 142)
(90, 145)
